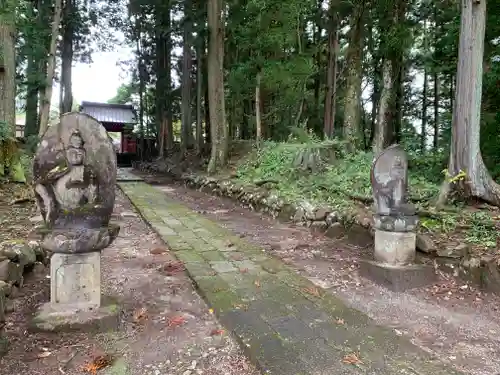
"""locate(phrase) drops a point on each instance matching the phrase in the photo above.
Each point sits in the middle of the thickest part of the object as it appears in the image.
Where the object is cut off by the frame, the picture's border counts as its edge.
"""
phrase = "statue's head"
(75, 152)
(397, 169)
(76, 140)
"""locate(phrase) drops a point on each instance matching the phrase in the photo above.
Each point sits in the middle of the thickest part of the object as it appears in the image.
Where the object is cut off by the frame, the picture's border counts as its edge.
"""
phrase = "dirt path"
(450, 319)
(167, 328)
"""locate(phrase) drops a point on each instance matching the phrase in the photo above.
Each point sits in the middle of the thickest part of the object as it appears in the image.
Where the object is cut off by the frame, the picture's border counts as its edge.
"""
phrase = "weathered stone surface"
(76, 280)
(389, 179)
(425, 244)
(455, 252)
(74, 174)
(63, 318)
(336, 230)
(394, 247)
(398, 278)
(18, 251)
(75, 152)
(11, 272)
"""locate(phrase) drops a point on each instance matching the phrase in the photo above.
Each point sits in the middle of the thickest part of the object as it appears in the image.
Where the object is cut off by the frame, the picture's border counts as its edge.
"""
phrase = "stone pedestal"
(393, 266)
(75, 297)
(76, 280)
(397, 248)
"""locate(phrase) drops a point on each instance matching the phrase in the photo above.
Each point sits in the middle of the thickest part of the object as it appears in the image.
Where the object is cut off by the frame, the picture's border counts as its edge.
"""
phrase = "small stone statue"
(74, 186)
(389, 178)
(395, 224)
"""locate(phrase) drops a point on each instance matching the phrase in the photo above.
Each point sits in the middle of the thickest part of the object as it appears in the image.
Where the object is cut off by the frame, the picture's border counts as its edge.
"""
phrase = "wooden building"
(116, 118)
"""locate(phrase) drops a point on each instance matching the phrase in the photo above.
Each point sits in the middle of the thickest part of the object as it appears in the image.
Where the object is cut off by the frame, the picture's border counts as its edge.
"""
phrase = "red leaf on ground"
(158, 251)
(98, 363)
(244, 270)
(352, 359)
(172, 268)
(140, 315)
(217, 332)
(176, 321)
(313, 291)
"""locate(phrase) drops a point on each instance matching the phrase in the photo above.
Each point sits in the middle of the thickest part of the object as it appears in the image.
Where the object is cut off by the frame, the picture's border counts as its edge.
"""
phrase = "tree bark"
(199, 95)
(352, 129)
(383, 126)
(186, 123)
(67, 58)
(7, 72)
(465, 153)
(331, 73)
(219, 128)
(258, 120)
(51, 67)
(10, 163)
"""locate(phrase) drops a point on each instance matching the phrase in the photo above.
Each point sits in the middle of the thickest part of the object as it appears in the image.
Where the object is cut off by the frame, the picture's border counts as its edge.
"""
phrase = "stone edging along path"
(286, 325)
(332, 223)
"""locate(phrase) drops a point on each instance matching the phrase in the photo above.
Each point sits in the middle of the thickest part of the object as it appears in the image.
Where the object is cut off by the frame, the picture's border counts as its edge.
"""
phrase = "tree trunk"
(67, 58)
(199, 101)
(383, 127)
(51, 67)
(10, 164)
(435, 137)
(219, 128)
(186, 123)
(258, 120)
(423, 130)
(331, 73)
(352, 129)
(7, 74)
(31, 124)
(465, 153)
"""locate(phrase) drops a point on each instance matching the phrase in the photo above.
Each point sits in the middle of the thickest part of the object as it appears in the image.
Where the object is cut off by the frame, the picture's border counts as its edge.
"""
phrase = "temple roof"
(109, 113)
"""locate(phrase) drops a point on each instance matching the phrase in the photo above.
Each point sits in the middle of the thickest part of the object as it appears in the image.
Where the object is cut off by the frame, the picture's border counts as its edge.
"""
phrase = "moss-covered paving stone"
(213, 256)
(285, 324)
(187, 256)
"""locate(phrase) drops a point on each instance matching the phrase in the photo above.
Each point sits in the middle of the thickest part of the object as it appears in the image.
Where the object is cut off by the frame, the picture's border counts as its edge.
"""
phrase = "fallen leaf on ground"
(340, 321)
(158, 250)
(140, 315)
(240, 306)
(257, 283)
(217, 332)
(171, 268)
(176, 321)
(352, 359)
(244, 270)
(43, 354)
(313, 291)
(98, 363)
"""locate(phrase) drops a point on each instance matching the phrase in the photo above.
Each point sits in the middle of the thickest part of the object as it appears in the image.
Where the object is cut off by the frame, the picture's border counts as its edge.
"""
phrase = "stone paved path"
(285, 324)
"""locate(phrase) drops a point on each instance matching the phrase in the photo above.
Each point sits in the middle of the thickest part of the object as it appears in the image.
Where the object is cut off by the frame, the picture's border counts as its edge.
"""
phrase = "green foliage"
(342, 178)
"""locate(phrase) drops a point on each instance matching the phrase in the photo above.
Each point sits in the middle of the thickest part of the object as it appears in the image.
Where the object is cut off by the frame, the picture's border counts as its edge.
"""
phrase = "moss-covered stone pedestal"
(73, 317)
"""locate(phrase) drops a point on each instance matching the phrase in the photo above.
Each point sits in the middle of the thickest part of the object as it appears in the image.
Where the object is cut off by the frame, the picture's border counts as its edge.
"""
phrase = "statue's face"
(76, 141)
(397, 170)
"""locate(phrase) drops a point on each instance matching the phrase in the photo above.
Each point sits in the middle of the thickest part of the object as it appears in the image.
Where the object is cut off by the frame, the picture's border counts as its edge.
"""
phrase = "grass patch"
(322, 172)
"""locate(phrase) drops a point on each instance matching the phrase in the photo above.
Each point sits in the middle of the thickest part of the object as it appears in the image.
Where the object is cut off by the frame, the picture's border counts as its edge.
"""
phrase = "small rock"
(3, 306)
(19, 252)
(425, 244)
(36, 219)
(5, 288)
(456, 252)
(128, 214)
(321, 213)
(331, 218)
(336, 230)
